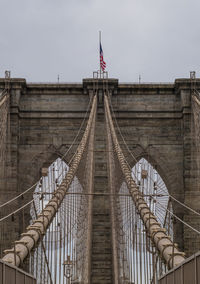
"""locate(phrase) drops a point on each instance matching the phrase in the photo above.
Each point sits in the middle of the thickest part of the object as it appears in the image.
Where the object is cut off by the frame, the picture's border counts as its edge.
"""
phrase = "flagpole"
(99, 52)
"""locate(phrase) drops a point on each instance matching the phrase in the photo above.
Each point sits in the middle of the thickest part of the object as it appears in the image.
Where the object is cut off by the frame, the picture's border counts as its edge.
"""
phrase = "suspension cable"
(81, 126)
(185, 223)
(40, 225)
(17, 210)
(184, 205)
(62, 157)
(16, 197)
(165, 246)
(132, 155)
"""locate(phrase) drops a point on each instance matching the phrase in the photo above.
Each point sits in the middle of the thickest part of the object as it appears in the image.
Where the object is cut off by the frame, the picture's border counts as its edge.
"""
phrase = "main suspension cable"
(40, 225)
(132, 155)
(62, 157)
(163, 243)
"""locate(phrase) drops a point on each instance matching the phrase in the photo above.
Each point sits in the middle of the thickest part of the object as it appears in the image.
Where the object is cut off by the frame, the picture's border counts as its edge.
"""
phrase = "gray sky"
(159, 39)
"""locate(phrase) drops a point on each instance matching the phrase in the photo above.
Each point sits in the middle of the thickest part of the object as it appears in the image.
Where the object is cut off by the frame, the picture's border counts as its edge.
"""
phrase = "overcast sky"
(159, 39)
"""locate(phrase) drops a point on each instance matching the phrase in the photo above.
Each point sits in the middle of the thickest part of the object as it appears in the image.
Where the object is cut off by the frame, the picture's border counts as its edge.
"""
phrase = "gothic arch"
(30, 174)
(171, 175)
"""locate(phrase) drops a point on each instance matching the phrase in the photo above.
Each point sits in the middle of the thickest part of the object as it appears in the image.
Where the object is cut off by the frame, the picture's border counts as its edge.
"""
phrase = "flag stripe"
(102, 62)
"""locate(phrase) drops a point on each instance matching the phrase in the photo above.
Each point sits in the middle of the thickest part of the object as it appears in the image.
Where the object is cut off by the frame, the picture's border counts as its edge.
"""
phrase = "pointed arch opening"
(154, 189)
(62, 238)
(138, 256)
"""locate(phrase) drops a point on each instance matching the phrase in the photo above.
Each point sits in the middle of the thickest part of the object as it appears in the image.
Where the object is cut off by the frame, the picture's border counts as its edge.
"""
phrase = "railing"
(187, 272)
(12, 275)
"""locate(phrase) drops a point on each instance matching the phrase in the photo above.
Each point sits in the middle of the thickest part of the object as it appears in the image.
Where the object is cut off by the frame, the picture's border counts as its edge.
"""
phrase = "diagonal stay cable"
(162, 241)
(41, 224)
(64, 155)
(183, 222)
(181, 203)
(17, 210)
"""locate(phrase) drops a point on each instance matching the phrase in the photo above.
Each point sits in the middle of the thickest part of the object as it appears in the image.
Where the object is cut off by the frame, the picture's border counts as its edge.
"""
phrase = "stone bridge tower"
(44, 118)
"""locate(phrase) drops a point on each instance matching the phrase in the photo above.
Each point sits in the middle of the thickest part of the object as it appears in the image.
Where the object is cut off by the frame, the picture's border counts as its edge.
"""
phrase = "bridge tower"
(157, 122)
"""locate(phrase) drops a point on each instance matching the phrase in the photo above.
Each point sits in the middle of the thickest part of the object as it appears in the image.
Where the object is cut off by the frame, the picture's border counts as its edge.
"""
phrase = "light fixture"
(68, 267)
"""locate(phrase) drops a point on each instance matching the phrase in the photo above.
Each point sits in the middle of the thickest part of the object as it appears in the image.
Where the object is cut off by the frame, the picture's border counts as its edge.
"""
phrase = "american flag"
(102, 62)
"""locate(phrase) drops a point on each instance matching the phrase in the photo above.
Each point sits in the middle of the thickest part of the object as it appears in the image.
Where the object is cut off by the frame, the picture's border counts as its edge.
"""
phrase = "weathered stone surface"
(101, 225)
(155, 119)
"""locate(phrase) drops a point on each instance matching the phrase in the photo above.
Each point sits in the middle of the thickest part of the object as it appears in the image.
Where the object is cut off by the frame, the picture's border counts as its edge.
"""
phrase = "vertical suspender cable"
(158, 234)
(29, 239)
